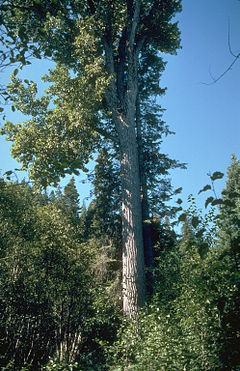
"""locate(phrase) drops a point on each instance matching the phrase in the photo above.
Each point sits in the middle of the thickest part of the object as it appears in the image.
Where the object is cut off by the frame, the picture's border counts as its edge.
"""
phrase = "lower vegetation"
(60, 285)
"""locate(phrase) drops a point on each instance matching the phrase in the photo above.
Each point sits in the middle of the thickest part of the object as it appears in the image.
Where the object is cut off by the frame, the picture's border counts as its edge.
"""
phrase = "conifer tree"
(71, 199)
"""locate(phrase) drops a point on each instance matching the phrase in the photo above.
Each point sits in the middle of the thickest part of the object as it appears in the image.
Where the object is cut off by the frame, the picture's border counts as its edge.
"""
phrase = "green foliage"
(55, 365)
(179, 330)
(193, 321)
(65, 138)
(97, 48)
(60, 140)
(54, 284)
(229, 256)
(59, 268)
(49, 304)
(106, 205)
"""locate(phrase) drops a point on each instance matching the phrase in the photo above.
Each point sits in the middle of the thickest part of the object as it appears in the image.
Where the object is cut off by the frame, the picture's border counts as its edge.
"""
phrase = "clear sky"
(204, 117)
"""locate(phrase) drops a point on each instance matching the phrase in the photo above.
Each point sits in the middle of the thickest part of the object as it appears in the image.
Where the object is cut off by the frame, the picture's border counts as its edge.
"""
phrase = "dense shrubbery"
(51, 304)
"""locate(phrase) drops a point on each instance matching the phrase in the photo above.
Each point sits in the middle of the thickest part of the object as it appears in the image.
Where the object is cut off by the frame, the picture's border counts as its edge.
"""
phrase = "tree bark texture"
(121, 100)
(134, 290)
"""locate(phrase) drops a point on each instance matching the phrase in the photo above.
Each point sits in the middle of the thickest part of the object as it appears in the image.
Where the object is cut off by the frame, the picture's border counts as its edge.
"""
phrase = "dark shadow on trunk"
(148, 257)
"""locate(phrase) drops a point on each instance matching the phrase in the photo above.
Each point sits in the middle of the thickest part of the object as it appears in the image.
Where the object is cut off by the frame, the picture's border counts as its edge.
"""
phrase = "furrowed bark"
(122, 104)
(134, 289)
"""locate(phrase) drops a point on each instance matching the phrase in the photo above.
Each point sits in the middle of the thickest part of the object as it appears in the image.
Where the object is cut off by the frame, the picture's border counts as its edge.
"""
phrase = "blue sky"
(204, 117)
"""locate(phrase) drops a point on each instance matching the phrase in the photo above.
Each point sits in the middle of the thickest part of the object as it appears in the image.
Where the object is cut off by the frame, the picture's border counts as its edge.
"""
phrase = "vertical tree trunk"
(134, 286)
(147, 236)
(121, 102)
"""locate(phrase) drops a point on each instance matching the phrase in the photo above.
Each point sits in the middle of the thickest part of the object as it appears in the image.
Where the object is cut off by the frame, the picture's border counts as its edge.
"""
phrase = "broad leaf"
(217, 175)
(9, 172)
(208, 201)
(206, 188)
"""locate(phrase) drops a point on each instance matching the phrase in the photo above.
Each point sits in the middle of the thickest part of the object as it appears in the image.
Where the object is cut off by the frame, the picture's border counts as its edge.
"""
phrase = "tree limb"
(106, 135)
(120, 64)
(134, 23)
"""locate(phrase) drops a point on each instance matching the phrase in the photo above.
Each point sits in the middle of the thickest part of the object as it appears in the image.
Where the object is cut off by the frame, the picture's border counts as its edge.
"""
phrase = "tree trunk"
(147, 235)
(134, 286)
(121, 100)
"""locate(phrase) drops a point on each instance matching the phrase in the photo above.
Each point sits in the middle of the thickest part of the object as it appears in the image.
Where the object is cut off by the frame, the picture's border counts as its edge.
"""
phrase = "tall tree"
(102, 43)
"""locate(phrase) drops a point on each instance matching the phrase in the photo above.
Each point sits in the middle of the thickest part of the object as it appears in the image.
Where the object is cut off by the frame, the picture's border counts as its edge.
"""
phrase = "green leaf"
(48, 53)
(22, 33)
(195, 222)
(37, 54)
(178, 190)
(15, 72)
(208, 201)
(206, 188)
(179, 201)
(182, 217)
(217, 175)
(1, 109)
(9, 172)
(200, 233)
(218, 201)
(179, 209)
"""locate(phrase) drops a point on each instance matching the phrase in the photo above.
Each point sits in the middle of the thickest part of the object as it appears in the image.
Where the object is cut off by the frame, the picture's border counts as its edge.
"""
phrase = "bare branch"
(236, 57)
(224, 73)
(229, 41)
